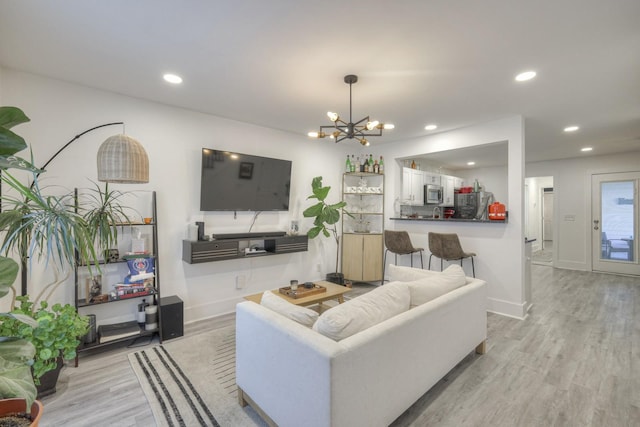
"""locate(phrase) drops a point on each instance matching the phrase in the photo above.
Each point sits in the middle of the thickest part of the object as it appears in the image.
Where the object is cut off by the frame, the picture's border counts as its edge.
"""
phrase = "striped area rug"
(190, 381)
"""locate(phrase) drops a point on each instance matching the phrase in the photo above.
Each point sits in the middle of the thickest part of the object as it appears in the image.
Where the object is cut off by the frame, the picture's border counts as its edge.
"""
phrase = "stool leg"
(441, 264)
(411, 256)
(430, 255)
(421, 262)
(473, 268)
(384, 265)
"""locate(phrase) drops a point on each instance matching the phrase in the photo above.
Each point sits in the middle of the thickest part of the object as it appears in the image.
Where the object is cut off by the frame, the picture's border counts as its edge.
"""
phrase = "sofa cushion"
(364, 311)
(302, 315)
(435, 284)
(408, 274)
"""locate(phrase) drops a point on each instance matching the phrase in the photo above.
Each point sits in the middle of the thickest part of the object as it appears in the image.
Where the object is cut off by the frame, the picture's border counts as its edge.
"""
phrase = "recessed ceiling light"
(431, 127)
(527, 75)
(172, 78)
(571, 128)
(587, 149)
(471, 163)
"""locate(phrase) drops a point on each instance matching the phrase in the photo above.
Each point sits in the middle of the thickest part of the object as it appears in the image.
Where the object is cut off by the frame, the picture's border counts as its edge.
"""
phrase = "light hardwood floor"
(575, 361)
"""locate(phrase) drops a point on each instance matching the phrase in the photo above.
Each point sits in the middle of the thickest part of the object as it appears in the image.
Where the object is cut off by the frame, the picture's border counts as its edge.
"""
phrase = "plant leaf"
(12, 116)
(13, 162)
(8, 273)
(15, 371)
(314, 210)
(10, 143)
(313, 232)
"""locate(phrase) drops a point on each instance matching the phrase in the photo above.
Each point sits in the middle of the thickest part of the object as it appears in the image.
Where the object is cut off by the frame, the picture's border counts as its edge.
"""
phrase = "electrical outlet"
(241, 281)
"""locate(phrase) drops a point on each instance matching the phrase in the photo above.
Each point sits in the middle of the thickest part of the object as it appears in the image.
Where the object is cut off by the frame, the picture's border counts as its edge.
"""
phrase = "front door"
(615, 222)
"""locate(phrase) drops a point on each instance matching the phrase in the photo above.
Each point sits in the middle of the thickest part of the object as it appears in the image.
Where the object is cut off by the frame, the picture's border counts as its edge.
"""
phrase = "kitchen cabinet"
(412, 187)
(362, 232)
(432, 178)
(448, 185)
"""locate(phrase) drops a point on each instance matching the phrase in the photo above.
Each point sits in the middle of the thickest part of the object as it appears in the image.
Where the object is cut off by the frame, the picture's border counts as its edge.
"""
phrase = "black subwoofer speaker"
(171, 310)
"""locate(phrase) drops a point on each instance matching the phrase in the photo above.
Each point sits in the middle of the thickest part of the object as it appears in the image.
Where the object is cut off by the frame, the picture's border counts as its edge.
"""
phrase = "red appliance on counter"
(497, 211)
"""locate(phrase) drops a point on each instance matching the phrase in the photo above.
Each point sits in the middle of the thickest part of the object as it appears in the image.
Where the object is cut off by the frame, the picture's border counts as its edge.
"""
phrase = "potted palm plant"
(326, 217)
(53, 230)
(17, 388)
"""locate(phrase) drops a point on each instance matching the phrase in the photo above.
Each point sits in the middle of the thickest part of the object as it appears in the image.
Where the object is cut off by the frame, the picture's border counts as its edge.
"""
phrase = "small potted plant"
(326, 217)
(55, 337)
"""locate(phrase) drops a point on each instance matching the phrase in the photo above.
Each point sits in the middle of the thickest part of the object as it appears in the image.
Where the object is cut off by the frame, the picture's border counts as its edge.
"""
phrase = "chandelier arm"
(362, 120)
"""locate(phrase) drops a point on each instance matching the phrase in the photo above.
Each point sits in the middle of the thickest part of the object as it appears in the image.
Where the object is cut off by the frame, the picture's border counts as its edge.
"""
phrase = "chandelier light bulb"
(388, 126)
(333, 116)
(313, 134)
(372, 125)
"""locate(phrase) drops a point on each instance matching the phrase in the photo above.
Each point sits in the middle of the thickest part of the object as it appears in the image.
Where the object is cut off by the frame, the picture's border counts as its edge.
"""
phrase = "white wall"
(533, 208)
(173, 138)
(572, 202)
(500, 246)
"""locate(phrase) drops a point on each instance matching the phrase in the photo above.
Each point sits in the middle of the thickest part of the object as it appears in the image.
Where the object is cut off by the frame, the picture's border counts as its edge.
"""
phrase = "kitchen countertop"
(428, 218)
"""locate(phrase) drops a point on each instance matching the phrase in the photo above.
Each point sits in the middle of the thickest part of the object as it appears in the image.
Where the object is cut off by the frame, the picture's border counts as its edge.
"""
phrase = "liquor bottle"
(370, 162)
(413, 164)
(347, 167)
(376, 167)
(381, 167)
(357, 164)
(353, 163)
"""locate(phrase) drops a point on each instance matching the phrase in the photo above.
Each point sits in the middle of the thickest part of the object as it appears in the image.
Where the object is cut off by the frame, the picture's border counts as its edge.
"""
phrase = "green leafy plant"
(56, 333)
(326, 216)
(49, 229)
(102, 210)
(16, 354)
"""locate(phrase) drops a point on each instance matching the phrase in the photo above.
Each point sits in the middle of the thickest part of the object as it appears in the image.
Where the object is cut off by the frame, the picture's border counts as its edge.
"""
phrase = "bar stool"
(446, 246)
(399, 243)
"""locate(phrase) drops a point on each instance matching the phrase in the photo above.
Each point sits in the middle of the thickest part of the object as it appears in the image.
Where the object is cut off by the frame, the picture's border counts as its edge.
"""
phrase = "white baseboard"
(507, 308)
(213, 309)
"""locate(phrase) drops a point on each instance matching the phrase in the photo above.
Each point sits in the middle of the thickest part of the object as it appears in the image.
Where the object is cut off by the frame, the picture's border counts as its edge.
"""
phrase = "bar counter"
(428, 218)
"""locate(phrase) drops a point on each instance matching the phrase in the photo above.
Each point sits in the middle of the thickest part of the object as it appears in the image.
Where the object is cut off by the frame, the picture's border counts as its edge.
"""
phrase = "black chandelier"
(358, 130)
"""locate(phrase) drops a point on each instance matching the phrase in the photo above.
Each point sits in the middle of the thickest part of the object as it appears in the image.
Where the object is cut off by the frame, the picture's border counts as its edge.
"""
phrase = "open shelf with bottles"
(363, 229)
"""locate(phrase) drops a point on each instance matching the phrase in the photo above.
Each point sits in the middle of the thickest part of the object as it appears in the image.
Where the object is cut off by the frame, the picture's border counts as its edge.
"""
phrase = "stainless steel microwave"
(432, 194)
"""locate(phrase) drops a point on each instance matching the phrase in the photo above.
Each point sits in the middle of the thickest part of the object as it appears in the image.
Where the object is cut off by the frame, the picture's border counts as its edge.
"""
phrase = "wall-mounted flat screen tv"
(242, 182)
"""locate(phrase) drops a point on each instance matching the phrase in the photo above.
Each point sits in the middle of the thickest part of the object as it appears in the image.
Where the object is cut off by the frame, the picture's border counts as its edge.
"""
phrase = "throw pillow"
(302, 315)
(407, 274)
(432, 286)
(360, 313)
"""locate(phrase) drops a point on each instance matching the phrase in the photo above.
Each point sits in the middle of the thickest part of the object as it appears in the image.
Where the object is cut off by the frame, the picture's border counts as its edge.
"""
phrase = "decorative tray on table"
(302, 292)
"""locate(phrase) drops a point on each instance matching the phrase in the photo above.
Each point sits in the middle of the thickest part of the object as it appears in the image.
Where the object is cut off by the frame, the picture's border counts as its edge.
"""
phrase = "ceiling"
(281, 63)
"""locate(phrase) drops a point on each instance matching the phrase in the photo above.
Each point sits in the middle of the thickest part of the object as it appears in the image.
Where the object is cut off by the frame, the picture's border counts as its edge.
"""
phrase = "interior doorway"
(539, 218)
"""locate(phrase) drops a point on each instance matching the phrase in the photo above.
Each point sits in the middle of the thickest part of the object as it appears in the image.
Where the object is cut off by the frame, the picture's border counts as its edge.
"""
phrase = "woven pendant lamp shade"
(123, 159)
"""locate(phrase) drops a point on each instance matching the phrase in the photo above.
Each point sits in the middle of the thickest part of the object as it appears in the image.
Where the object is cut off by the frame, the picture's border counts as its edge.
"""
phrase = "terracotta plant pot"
(17, 406)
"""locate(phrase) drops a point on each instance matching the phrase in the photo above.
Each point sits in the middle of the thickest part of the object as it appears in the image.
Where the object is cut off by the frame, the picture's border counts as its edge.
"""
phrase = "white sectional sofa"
(295, 376)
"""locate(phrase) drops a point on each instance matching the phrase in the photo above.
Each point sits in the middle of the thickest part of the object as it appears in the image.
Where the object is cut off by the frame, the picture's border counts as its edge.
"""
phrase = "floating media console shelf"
(224, 249)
